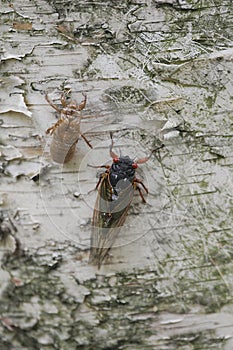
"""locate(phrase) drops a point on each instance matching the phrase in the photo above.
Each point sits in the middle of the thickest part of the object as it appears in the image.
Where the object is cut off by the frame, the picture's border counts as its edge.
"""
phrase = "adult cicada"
(66, 131)
(116, 187)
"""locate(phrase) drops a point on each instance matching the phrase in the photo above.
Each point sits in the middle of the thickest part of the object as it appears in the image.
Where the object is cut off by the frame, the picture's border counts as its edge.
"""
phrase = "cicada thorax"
(120, 187)
(65, 139)
(121, 173)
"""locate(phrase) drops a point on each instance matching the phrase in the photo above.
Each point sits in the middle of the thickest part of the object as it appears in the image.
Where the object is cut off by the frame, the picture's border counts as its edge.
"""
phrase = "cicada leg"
(141, 183)
(82, 105)
(141, 195)
(101, 176)
(52, 128)
(99, 166)
(87, 142)
(52, 104)
(136, 182)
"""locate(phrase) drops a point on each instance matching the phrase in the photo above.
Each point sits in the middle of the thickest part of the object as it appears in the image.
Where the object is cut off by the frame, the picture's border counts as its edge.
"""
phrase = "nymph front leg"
(52, 128)
(83, 103)
(52, 104)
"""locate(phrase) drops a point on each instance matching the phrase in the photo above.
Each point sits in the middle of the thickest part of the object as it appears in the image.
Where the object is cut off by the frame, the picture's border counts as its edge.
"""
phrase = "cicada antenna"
(112, 154)
(145, 159)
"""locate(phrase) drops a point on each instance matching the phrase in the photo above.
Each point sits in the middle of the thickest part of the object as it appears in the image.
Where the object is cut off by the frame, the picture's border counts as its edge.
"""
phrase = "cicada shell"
(116, 188)
(66, 131)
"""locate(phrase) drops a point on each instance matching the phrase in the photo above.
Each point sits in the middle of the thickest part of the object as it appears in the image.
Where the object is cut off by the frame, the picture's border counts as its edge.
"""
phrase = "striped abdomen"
(65, 138)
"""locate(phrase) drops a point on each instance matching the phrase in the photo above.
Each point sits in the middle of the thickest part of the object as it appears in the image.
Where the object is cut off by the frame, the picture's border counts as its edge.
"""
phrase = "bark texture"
(154, 72)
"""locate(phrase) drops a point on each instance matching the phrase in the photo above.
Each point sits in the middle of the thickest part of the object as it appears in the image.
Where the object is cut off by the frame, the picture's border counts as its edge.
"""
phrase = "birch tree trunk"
(154, 72)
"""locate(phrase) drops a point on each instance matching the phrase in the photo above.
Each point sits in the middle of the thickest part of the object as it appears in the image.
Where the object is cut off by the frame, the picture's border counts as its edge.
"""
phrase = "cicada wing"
(108, 218)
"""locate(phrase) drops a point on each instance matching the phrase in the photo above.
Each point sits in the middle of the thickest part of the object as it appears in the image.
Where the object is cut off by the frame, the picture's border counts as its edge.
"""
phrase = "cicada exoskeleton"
(66, 131)
(116, 188)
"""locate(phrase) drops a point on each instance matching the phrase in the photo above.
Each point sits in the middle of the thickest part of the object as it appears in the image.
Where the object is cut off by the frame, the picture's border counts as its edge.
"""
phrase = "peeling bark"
(153, 71)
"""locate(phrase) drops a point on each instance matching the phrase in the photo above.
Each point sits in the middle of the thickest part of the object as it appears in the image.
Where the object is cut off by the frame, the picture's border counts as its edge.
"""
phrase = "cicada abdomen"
(116, 188)
(65, 138)
(66, 131)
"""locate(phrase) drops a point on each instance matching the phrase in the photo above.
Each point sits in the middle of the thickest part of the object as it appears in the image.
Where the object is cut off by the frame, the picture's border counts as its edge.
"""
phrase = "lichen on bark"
(154, 71)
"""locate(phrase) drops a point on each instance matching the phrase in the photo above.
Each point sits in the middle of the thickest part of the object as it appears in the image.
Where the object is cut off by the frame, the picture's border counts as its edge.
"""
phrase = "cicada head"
(122, 169)
(71, 110)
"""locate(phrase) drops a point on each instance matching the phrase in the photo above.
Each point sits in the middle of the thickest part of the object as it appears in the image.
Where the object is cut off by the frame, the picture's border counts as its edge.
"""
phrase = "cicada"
(116, 187)
(66, 131)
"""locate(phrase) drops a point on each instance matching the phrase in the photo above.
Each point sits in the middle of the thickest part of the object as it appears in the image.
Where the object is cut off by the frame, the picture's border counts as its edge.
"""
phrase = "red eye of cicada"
(115, 160)
(134, 165)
